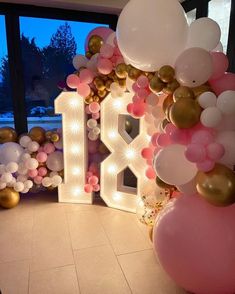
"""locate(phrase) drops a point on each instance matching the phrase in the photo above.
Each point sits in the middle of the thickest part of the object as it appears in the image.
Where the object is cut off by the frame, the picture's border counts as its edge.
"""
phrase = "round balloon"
(55, 161)
(10, 152)
(195, 242)
(227, 139)
(154, 39)
(102, 32)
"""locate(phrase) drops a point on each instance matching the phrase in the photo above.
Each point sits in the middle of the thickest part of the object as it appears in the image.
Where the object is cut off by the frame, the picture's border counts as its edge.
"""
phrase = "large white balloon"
(227, 139)
(152, 33)
(55, 161)
(10, 152)
(226, 102)
(204, 33)
(172, 166)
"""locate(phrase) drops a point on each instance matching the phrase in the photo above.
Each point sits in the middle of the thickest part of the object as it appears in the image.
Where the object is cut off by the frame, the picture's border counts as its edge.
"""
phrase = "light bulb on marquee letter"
(71, 106)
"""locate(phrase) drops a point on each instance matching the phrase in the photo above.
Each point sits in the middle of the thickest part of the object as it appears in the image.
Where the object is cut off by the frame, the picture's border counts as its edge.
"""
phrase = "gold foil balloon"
(185, 113)
(7, 135)
(88, 54)
(167, 102)
(48, 135)
(9, 198)
(37, 134)
(201, 89)
(166, 73)
(99, 84)
(95, 43)
(108, 83)
(134, 73)
(128, 126)
(55, 137)
(121, 71)
(171, 87)
(183, 92)
(217, 186)
(156, 85)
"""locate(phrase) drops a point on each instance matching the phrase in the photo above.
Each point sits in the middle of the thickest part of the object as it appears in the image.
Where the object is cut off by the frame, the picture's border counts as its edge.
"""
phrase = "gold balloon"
(171, 87)
(7, 135)
(99, 84)
(185, 113)
(108, 83)
(167, 102)
(61, 173)
(88, 54)
(122, 83)
(95, 43)
(156, 85)
(96, 99)
(55, 137)
(121, 71)
(9, 198)
(166, 73)
(183, 92)
(102, 93)
(88, 100)
(217, 186)
(201, 89)
(128, 126)
(37, 134)
(164, 123)
(48, 135)
(149, 75)
(134, 73)
(151, 233)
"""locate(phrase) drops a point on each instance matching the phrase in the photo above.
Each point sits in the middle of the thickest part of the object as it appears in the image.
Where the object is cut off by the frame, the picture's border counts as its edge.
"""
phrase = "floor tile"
(14, 277)
(51, 245)
(86, 229)
(145, 275)
(99, 272)
(61, 280)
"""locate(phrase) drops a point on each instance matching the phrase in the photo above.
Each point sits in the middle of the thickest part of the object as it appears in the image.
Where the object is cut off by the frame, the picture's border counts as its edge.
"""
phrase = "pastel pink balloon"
(135, 87)
(194, 242)
(150, 173)
(163, 140)
(49, 148)
(73, 81)
(86, 76)
(220, 64)
(119, 60)
(94, 107)
(106, 51)
(179, 136)
(87, 110)
(137, 99)
(215, 151)
(138, 109)
(96, 188)
(32, 173)
(149, 162)
(93, 168)
(117, 51)
(104, 66)
(93, 180)
(103, 32)
(95, 115)
(142, 93)
(154, 139)
(130, 108)
(169, 128)
(83, 90)
(202, 137)
(38, 180)
(147, 153)
(42, 171)
(224, 83)
(89, 174)
(142, 81)
(206, 165)
(195, 153)
(88, 188)
(41, 157)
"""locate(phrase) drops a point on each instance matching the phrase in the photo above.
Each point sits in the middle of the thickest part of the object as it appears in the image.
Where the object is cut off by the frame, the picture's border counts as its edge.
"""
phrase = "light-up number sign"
(125, 152)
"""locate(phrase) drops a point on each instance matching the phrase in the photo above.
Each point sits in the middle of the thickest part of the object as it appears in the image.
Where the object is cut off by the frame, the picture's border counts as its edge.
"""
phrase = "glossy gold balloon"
(201, 89)
(37, 134)
(121, 71)
(122, 83)
(171, 87)
(185, 113)
(134, 73)
(88, 100)
(102, 93)
(96, 98)
(128, 126)
(166, 73)
(55, 137)
(99, 84)
(183, 92)
(217, 186)
(7, 135)
(164, 123)
(88, 54)
(9, 198)
(95, 43)
(48, 135)
(108, 83)
(156, 85)
(167, 102)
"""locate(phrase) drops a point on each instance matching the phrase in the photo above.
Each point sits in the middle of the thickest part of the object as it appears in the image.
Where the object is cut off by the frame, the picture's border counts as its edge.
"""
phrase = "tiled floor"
(53, 248)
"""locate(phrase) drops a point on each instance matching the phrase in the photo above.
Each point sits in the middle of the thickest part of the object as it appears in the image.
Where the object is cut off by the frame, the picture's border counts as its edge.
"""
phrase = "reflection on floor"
(53, 248)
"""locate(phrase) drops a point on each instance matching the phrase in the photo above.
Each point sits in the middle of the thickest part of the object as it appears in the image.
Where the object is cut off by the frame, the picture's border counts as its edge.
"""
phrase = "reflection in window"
(6, 108)
(219, 10)
(48, 47)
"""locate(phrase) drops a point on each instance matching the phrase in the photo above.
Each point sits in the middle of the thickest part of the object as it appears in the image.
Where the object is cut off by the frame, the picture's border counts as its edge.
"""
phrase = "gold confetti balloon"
(9, 198)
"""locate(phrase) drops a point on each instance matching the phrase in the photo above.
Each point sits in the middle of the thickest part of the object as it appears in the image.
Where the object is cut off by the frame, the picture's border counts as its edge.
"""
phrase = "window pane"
(219, 10)
(6, 107)
(48, 47)
(191, 15)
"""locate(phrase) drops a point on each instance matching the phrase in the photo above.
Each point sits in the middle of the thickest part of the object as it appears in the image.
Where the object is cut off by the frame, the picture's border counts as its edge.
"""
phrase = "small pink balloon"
(135, 87)
(96, 188)
(41, 156)
(86, 76)
(220, 64)
(139, 109)
(154, 139)
(149, 162)
(147, 153)
(73, 81)
(83, 90)
(150, 173)
(104, 66)
(215, 151)
(142, 81)
(94, 107)
(32, 173)
(224, 83)
(89, 174)
(49, 148)
(202, 137)
(87, 110)
(130, 108)
(96, 115)
(38, 180)
(42, 171)
(93, 180)
(195, 153)
(163, 140)
(88, 188)
(119, 60)
(142, 93)
(106, 51)
(206, 165)
(93, 168)
(179, 136)
(169, 128)
(137, 99)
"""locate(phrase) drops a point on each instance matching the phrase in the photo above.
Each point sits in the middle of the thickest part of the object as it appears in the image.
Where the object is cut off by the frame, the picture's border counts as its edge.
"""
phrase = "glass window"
(48, 47)
(191, 15)
(219, 10)
(6, 107)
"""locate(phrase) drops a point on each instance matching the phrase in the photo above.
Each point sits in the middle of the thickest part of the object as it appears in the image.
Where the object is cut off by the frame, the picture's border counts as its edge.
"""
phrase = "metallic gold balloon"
(217, 186)
(149, 75)
(183, 92)
(37, 134)
(122, 83)
(166, 73)
(48, 135)
(96, 98)
(121, 71)
(201, 89)
(88, 100)
(151, 233)
(99, 84)
(164, 123)
(88, 54)
(167, 102)
(55, 137)
(128, 126)
(171, 87)
(156, 85)
(185, 113)
(95, 43)
(9, 198)
(108, 83)
(134, 73)
(7, 135)
(102, 93)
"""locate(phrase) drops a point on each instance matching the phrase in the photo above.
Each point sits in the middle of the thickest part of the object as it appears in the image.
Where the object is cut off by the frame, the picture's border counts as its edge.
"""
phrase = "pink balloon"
(119, 60)
(195, 153)
(49, 148)
(42, 171)
(135, 87)
(32, 173)
(206, 165)
(103, 32)
(169, 128)
(154, 139)
(142, 82)
(73, 81)
(92, 146)
(95, 115)
(224, 83)
(104, 66)
(195, 242)
(93, 168)
(150, 173)
(163, 140)
(41, 156)
(38, 180)
(96, 188)
(107, 51)
(202, 137)
(220, 64)
(138, 109)
(130, 108)
(142, 93)
(86, 76)
(147, 153)
(93, 180)
(94, 107)
(88, 188)
(89, 174)
(215, 151)
(87, 110)
(179, 136)
(83, 90)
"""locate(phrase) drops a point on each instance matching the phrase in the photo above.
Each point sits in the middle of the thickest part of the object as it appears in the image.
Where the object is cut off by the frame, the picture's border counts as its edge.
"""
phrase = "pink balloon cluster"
(92, 177)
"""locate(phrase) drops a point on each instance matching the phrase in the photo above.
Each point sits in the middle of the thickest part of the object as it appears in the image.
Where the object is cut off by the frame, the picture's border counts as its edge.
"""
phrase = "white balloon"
(79, 61)
(226, 102)
(28, 184)
(207, 99)
(10, 152)
(152, 33)
(91, 123)
(11, 183)
(92, 136)
(110, 39)
(33, 146)
(55, 161)
(167, 163)
(2, 185)
(96, 131)
(12, 167)
(25, 191)
(2, 169)
(18, 186)
(152, 99)
(204, 33)
(211, 117)
(188, 188)
(227, 139)
(25, 156)
(24, 141)
(31, 163)
(46, 182)
(22, 178)
(56, 180)
(59, 144)
(6, 177)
